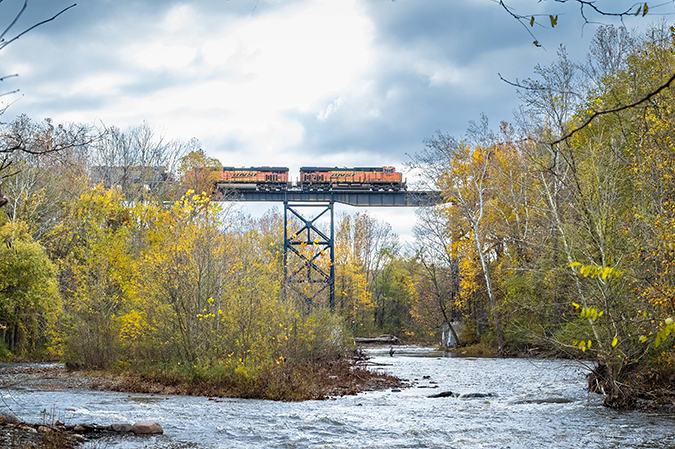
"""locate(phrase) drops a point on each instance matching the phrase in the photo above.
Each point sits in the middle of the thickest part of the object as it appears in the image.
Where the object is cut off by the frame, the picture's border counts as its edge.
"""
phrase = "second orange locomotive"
(358, 178)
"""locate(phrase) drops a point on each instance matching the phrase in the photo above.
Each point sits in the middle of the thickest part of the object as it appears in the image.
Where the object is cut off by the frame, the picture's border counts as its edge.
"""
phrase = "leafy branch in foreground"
(528, 21)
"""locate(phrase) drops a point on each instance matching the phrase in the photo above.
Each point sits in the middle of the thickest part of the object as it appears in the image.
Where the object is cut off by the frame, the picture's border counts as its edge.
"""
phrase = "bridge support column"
(309, 252)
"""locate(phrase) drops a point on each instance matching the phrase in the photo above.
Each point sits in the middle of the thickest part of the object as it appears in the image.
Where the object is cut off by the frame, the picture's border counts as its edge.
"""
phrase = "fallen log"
(383, 339)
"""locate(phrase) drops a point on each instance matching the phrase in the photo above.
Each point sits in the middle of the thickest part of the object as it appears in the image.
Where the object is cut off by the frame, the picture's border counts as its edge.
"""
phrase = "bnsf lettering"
(243, 174)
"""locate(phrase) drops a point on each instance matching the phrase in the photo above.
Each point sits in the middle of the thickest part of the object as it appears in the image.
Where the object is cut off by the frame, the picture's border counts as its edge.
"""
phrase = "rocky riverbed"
(51, 433)
(480, 403)
(51, 376)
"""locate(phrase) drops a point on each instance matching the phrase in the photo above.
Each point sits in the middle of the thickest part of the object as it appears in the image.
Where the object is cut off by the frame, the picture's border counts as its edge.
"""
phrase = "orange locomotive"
(358, 178)
(254, 178)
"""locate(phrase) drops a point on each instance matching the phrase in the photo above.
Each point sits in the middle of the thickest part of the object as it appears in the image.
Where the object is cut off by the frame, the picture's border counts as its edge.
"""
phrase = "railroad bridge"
(303, 211)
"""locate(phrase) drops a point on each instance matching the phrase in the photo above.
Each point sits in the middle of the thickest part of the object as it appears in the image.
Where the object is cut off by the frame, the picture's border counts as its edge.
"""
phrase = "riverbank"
(311, 381)
(645, 388)
(300, 382)
(19, 435)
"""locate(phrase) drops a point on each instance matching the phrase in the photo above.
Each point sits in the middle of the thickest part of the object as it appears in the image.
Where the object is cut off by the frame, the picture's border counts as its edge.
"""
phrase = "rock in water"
(8, 417)
(555, 400)
(147, 428)
(444, 394)
(476, 395)
(123, 427)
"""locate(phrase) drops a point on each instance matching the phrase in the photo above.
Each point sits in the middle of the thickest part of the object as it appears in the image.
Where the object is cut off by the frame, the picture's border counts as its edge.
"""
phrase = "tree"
(590, 12)
(353, 299)
(38, 180)
(438, 279)
(14, 145)
(140, 162)
(29, 297)
(466, 183)
(199, 172)
(589, 9)
(98, 277)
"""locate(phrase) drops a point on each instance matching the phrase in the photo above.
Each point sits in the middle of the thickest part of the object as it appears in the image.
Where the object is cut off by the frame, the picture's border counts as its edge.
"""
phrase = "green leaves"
(29, 295)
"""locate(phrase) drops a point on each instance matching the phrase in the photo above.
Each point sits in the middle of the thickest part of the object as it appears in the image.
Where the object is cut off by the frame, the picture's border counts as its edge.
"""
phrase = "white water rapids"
(512, 418)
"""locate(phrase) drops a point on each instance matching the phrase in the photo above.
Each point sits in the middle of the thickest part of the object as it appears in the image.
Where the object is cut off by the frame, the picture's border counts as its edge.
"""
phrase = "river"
(512, 417)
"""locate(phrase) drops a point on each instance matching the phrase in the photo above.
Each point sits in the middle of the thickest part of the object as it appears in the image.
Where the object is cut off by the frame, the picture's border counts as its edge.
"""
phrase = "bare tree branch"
(8, 93)
(6, 43)
(9, 27)
(535, 87)
(634, 10)
(595, 114)
(521, 20)
(529, 20)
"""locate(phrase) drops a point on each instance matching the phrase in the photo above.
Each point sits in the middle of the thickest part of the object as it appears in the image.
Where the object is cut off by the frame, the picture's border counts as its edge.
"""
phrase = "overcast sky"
(285, 82)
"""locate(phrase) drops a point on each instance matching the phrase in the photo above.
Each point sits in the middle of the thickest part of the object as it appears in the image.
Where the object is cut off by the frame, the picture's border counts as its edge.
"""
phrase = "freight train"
(312, 179)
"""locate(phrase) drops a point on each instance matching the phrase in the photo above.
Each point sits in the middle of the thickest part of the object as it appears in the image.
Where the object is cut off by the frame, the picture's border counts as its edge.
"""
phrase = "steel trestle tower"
(310, 246)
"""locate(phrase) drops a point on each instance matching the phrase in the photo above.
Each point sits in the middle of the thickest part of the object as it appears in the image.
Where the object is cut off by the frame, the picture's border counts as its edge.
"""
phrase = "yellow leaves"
(583, 344)
(133, 325)
(588, 312)
(594, 271)
(553, 20)
(615, 341)
(668, 328)
(643, 9)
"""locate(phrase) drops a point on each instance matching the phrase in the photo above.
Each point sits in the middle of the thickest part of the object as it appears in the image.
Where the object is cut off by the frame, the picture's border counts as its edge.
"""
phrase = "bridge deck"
(350, 197)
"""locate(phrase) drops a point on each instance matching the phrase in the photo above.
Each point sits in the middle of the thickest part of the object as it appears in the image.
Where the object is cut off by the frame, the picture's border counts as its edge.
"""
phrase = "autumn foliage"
(549, 242)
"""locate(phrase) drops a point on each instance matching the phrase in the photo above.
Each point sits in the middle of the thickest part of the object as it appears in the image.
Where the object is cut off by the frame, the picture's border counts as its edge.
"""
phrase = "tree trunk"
(493, 301)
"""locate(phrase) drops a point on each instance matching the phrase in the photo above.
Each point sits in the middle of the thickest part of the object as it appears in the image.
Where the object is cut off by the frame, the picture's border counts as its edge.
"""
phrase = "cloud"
(282, 82)
(172, 66)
